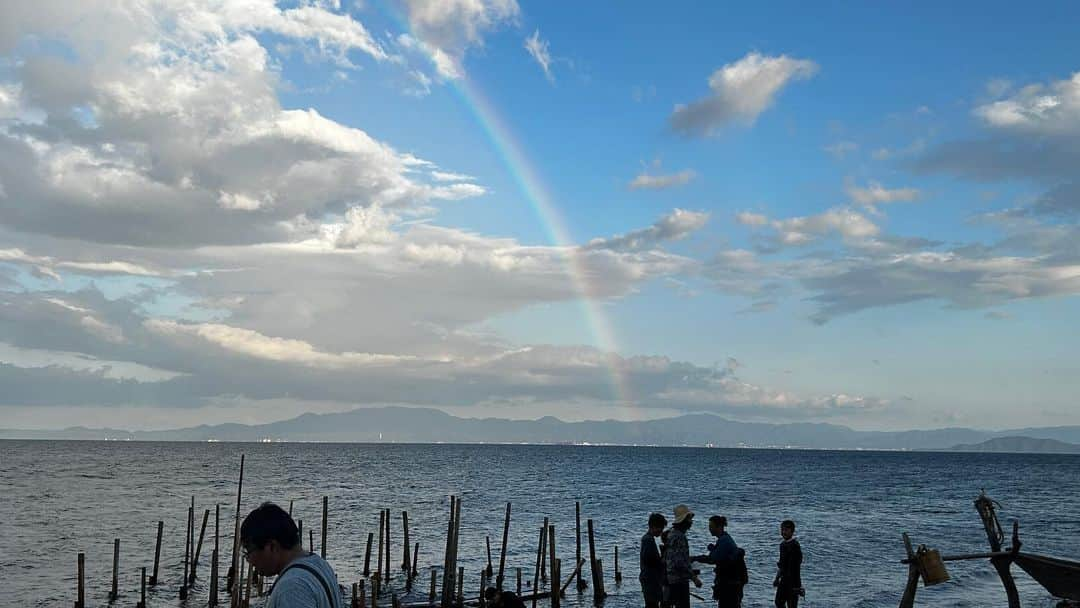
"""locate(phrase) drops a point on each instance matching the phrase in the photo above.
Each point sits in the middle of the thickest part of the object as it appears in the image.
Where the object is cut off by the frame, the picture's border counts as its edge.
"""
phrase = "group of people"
(667, 564)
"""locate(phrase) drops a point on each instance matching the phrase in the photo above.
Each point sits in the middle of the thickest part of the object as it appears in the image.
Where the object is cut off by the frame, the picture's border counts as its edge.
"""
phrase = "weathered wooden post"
(115, 593)
(595, 566)
(994, 535)
(581, 585)
(290, 508)
(539, 557)
(157, 553)
(367, 554)
(187, 554)
(361, 601)
(300, 531)
(483, 588)
(543, 555)
(311, 541)
(355, 596)
(460, 585)
(325, 502)
(375, 580)
(415, 556)
(198, 547)
(382, 531)
(518, 581)
(214, 575)
(406, 563)
(490, 568)
(386, 569)
(394, 601)
(908, 599)
(618, 573)
(502, 552)
(554, 568)
(142, 588)
(448, 577)
(234, 592)
(80, 590)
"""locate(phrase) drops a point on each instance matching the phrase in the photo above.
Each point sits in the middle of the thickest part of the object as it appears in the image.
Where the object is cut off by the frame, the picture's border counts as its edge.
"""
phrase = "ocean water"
(61, 498)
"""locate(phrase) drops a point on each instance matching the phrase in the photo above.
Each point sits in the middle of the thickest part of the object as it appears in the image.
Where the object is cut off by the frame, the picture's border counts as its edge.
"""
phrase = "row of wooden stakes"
(450, 593)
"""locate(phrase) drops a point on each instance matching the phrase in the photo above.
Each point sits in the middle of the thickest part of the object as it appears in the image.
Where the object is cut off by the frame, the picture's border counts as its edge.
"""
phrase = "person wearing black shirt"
(788, 580)
(653, 574)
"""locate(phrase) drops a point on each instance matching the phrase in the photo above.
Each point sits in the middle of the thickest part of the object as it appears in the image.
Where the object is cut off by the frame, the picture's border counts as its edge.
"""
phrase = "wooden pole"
(367, 554)
(115, 593)
(142, 588)
(157, 553)
(361, 601)
(290, 508)
(444, 598)
(518, 581)
(539, 556)
(214, 574)
(581, 585)
(543, 555)
(375, 589)
(311, 541)
(198, 547)
(594, 566)
(490, 569)
(577, 571)
(460, 585)
(234, 593)
(325, 502)
(382, 531)
(386, 570)
(618, 573)
(406, 562)
(908, 599)
(483, 588)
(554, 568)
(80, 597)
(457, 532)
(502, 551)
(355, 596)
(300, 531)
(187, 554)
(985, 506)
(415, 555)
(556, 576)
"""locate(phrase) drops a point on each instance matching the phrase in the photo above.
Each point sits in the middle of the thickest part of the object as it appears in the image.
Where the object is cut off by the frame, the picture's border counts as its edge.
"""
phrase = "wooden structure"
(1060, 577)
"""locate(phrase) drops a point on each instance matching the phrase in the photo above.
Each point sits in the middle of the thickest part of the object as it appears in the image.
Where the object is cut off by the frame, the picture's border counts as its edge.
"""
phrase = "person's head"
(717, 523)
(684, 518)
(657, 523)
(269, 539)
(787, 529)
(493, 596)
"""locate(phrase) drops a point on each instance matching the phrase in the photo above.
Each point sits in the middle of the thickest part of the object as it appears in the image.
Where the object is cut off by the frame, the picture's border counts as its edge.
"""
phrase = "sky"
(245, 210)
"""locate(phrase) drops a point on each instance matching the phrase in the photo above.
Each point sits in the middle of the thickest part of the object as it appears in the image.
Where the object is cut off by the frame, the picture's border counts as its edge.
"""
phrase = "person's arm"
(709, 558)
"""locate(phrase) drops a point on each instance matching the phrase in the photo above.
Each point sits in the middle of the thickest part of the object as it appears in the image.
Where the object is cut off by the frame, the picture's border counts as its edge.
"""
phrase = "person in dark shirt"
(730, 565)
(653, 574)
(788, 581)
(497, 598)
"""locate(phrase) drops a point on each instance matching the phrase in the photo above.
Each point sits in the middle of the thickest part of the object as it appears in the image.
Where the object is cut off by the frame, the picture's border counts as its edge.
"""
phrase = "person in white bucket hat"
(677, 559)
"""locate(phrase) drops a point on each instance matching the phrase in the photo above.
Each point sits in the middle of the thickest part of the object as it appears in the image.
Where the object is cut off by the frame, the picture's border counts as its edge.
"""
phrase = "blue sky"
(854, 214)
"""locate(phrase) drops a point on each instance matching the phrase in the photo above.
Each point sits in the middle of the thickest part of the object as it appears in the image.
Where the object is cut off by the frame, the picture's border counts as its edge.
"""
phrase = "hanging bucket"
(931, 566)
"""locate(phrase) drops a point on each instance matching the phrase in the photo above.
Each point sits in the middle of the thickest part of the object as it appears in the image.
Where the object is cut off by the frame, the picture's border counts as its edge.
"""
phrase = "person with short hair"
(501, 598)
(271, 544)
(653, 576)
(788, 580)
(677, 559)
(729, 562)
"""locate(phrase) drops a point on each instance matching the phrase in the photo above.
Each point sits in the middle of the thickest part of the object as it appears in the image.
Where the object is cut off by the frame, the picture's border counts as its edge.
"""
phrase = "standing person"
(272, 546)
(677, 559)
(788, 580)
(730, 565)
(653, 573)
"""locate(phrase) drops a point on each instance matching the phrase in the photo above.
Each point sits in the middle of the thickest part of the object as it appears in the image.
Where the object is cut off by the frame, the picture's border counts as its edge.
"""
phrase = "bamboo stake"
(142, 588)
(539, 556)
(554, 568)
(325, 502)
(618, 573)
(406, 563)
(80, 601)
(115, 593)
(489, 570)
(581, 584)
(502, 552)
(236, 535)
(187, 554)
(367, 554)
(157, 553)
(198, 547)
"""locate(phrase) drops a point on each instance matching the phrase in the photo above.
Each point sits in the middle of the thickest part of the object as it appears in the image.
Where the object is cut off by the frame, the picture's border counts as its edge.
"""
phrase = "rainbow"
(526, 177)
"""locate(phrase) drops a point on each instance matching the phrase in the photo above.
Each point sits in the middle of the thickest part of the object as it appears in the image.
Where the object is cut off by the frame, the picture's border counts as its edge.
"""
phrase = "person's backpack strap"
(315, 573)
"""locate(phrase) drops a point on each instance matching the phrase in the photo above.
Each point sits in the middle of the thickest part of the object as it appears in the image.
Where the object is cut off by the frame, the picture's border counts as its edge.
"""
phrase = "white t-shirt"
(298, 588)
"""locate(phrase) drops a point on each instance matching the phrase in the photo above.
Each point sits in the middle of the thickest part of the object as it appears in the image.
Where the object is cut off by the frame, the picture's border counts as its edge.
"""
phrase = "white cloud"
(740, 92)
(841, 149)
(539, 51)
(647, 181)
(748, 218)
(1051, 109)
(446, 29)
(675, 226)
(797, 231)
(874, 194)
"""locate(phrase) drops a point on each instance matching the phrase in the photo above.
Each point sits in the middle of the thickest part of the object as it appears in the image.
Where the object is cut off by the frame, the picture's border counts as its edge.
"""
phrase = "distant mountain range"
(425, 425)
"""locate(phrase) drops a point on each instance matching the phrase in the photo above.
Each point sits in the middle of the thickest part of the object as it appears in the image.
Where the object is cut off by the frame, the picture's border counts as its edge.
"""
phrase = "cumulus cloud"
(875, 194)
(741, 91)
(183, 112)
(647, 181)
(845, 223)
(1044, 109)
(446, 29)
(538, 50)
(675, 226)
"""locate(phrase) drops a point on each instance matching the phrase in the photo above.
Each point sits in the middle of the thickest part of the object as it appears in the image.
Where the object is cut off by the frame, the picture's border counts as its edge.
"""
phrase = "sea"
(60, 498)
